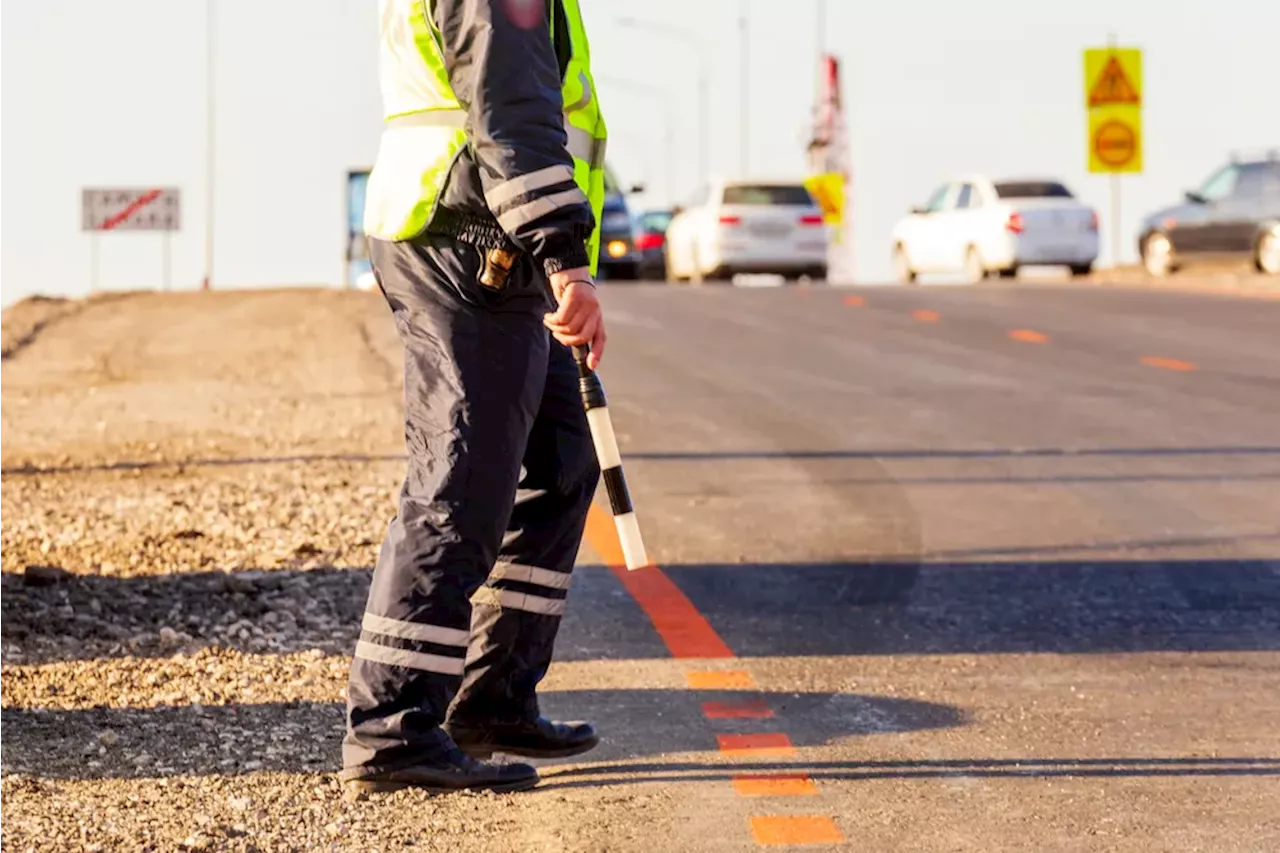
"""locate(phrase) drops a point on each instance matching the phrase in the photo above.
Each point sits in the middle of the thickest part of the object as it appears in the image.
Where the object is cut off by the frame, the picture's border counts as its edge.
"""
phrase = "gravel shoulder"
(194, 489)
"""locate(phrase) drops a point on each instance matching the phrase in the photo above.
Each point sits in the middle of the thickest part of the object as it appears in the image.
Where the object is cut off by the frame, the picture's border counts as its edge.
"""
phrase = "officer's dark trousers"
(471, 581)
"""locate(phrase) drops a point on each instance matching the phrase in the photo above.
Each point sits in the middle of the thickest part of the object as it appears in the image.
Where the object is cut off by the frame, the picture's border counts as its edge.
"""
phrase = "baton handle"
(610, 459)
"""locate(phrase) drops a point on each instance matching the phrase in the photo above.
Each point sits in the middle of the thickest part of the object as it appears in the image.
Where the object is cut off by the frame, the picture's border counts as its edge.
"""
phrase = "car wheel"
(1078, 270)
(974, 270)
(1008, 272)
(1157, 255)
(902, 270)
(1267, 256)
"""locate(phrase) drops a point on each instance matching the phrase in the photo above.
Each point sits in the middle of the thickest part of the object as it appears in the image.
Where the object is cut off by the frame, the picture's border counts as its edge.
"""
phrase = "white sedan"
(771, 227)
(977, 227)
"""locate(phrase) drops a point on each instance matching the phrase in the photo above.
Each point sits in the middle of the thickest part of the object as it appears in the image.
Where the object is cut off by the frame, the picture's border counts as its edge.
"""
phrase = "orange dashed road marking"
(771, 743)
(688, 635)
(719, 679)
(754, 709)
(1028, 336)
(926, 316)
(855, 301)
(1166, 363)
(795, 829)
(684, 630)
(780, 785)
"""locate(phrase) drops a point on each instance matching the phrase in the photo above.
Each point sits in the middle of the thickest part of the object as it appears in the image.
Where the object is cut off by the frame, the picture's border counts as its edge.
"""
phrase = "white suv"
(977, 226)
(748, 227)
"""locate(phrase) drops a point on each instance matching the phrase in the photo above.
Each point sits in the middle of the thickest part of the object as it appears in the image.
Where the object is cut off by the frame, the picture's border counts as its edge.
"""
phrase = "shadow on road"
(306, 736)
(939, 606)
(1014, 606)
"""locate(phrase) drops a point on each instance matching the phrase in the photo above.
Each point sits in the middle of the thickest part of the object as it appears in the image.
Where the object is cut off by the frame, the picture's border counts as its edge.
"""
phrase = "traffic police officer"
(487, 188)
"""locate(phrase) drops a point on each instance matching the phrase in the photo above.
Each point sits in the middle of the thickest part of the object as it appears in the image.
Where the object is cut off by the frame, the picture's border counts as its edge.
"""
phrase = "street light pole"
(704, 82)
(209, 146)
(745, 118)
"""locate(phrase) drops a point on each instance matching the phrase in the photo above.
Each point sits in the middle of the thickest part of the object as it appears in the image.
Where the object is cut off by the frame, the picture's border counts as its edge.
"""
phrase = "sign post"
(1113, 102)
(130, 209)
(830, 170)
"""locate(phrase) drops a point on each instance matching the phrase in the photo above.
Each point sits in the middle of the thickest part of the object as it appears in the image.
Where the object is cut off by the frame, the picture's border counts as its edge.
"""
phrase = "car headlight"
(616, 248)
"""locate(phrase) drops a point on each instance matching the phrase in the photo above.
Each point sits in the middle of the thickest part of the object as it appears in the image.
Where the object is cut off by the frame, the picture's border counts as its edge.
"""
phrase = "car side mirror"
(1195, 197)
(636, 188)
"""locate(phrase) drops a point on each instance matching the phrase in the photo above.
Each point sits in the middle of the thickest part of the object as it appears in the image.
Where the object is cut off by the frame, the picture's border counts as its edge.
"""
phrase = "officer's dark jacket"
(508, 78)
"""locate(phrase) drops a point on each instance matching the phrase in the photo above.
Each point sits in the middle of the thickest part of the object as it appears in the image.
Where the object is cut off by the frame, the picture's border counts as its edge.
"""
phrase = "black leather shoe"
(540, 738)
(458, 772)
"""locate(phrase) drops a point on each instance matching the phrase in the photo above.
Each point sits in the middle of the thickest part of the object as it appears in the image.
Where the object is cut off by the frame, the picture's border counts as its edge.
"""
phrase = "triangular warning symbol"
(1113, 87)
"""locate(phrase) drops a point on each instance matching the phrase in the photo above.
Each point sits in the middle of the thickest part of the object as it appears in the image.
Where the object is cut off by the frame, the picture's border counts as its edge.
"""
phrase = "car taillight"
(1014, 223)
(811, 219)
(730, 220)
(1093, 220)
(649, 241)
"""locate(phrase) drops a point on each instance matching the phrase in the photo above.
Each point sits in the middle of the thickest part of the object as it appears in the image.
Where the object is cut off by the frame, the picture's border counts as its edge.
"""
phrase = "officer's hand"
(579, 319)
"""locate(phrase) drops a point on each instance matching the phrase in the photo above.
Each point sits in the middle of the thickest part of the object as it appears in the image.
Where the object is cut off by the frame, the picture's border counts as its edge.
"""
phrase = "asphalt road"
(938, 568)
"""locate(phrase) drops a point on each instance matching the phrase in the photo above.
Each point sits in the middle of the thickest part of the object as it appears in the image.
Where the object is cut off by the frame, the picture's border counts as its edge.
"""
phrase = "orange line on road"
(779, 785)
(795, 829)
(926, 316)
(679, 624)
(754, 709)
(720, 679)
(855, 301)
(769, 743)
(1166, 363)
(1028, 336)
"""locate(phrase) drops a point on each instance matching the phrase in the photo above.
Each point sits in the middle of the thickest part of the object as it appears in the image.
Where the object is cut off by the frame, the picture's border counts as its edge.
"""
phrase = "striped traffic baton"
(624, 515)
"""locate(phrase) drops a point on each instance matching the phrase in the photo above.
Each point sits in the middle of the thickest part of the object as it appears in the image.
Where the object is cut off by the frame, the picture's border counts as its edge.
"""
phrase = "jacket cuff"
(566, 259)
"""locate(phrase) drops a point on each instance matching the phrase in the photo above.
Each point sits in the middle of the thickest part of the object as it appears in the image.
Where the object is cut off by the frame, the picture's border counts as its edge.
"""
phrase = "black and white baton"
(624, 515)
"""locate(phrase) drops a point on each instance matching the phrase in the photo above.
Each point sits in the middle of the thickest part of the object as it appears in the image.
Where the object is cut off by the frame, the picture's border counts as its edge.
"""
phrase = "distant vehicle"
(1233, 216)
(651, 241)
(618, 255)
(978, 227)
(772, 227)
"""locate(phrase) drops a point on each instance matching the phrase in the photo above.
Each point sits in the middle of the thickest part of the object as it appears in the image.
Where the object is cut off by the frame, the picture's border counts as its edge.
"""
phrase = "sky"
(113, 94)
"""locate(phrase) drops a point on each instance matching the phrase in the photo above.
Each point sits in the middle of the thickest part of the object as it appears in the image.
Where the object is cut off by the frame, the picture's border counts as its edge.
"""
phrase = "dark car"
(651, 241)
(619, 257)
(1233, 216)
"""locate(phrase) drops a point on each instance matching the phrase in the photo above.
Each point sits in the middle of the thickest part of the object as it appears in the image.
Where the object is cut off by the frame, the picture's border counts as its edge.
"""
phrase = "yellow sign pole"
(1113, 102)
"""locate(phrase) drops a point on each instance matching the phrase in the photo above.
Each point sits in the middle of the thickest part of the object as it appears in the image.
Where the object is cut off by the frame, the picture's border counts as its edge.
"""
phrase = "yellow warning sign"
(1113, 100)
(1115, 140)
(1112, 76)
(828, 193)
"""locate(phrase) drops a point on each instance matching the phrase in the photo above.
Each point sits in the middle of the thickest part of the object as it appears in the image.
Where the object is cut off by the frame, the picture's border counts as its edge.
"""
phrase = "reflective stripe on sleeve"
(518, 186)
(539, 207)
(415, 631)
(405, 657)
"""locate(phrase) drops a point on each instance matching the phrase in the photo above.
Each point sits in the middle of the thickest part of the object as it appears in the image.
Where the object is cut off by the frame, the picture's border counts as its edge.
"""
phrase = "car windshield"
(1032, 189)
(768, 194)
(655, 222)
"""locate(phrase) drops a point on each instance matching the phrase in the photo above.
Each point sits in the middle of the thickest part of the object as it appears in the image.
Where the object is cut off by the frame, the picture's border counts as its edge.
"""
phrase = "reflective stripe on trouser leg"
(473, 382)
(516, 614)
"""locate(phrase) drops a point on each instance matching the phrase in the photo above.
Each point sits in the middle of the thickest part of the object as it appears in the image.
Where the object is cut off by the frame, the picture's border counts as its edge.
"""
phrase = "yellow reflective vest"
(426, 130)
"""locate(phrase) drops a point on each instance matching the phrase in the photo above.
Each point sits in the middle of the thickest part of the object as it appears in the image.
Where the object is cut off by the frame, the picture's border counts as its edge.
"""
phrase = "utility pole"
(210, 155)
(745, 130)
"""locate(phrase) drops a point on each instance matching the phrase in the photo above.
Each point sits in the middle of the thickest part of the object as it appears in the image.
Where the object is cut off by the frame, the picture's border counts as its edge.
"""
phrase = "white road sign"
(131, 209)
